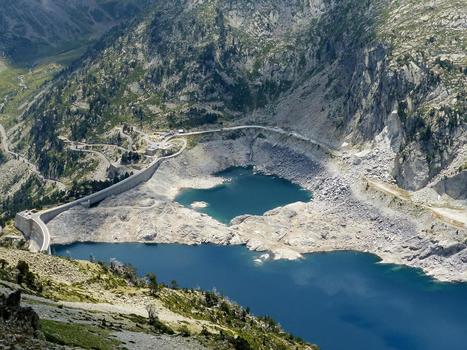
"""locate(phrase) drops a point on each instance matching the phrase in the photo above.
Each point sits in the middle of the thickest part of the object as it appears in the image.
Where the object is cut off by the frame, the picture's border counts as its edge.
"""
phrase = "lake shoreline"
(344, 215)
(243, 191)
(270, 256)
(309, 297)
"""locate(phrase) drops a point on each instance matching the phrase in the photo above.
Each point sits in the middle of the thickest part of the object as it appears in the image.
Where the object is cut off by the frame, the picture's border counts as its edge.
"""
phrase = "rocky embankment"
(345, 213)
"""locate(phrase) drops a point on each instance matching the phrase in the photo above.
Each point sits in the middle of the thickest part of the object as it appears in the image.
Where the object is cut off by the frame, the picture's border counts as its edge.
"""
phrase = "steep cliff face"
(405, 74)
(420, 93)
(184, 64)
(338, 70)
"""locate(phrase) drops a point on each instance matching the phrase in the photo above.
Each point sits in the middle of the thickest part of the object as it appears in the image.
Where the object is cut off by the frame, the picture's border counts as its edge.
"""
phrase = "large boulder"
(21, 319)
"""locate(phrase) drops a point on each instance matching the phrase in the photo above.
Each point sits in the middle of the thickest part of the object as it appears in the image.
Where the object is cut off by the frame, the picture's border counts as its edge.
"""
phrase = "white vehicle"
(181, 131)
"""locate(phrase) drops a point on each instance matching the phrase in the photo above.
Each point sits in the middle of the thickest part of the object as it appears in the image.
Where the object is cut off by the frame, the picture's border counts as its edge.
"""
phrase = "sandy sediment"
(343, 215)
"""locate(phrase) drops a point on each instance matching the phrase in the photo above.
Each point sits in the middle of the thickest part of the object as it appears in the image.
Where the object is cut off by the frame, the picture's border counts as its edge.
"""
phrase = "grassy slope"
(80, 335)
(14, 94)
(31, 31)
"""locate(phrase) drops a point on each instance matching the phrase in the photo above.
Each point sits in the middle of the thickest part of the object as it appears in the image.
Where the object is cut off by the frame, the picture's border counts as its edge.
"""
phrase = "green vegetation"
(430, 49)
(27, 277)
(20, 85)
(156, 324)
(31, 194)
(21, 275)
(237, 328)
(32, 31)
(225, 326)
(79, 335)
(84, 188)
(186, 87)
(184, 69)
(153, 285)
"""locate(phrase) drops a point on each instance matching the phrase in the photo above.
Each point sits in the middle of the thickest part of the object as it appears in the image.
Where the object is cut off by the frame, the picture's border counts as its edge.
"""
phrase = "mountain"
(339, 70)
(32, 29)
(359, 74)
(380, 80)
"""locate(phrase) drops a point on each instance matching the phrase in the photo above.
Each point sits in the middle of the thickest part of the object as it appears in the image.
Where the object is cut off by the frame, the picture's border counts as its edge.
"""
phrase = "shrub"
(184, 331)
(3, 264)
(156, 323)
(174, 284)
(211, 298)
(240, 343)
(23, 270)
(27, 277)
(153, 285)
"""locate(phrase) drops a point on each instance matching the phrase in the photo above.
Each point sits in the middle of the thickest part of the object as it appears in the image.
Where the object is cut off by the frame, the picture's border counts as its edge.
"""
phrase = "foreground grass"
(80, 335)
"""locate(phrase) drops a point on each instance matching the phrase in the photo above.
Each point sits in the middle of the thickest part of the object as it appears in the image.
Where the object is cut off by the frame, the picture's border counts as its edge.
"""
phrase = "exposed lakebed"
(340, 300)
(243, 192)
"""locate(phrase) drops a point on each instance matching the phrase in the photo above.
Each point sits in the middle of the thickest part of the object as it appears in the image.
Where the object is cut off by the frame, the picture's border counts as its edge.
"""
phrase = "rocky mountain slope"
(37, 40)
(338, 70)
(31, 29)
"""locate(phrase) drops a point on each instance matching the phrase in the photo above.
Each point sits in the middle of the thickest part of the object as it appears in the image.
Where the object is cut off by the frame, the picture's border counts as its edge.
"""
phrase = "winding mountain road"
(260, 127)
(43, 217)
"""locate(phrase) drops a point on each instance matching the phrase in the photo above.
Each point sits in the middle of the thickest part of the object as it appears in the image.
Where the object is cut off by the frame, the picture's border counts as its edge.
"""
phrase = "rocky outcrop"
(455, 186)
(115, 315)
(22, 320)
(331, 69)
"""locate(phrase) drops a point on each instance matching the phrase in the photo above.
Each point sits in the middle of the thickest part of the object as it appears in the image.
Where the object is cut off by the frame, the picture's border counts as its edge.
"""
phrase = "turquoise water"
(244, 192)
(341, 300)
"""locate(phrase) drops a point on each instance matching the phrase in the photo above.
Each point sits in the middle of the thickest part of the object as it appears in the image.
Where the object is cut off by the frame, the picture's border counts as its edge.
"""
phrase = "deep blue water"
(340, 300)
(244, 192)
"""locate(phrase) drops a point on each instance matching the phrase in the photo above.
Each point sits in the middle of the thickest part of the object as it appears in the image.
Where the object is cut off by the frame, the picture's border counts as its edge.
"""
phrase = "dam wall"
(120, 187)
(33, 224)
(35, 230)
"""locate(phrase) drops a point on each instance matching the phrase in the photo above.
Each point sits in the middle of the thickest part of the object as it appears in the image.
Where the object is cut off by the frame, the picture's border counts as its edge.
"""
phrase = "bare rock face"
(412, 171)
(341, 216)
(455, 186)
(303, 65)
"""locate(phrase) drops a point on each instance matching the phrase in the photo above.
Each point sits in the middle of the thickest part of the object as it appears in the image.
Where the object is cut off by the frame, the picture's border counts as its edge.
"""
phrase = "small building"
(152, 149)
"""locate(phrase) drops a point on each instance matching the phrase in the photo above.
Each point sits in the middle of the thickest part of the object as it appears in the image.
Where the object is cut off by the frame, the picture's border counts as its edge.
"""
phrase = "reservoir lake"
(338, 300)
